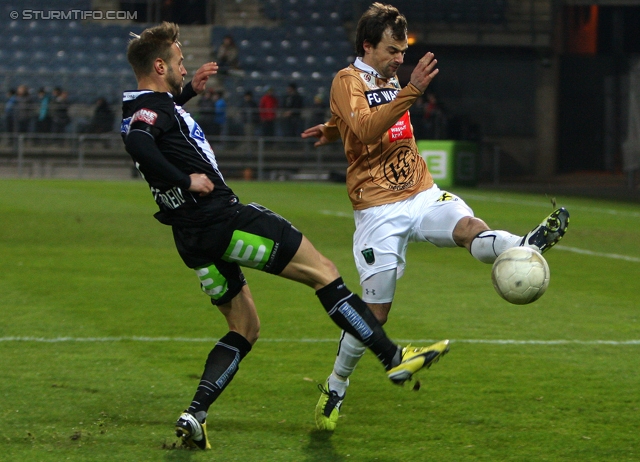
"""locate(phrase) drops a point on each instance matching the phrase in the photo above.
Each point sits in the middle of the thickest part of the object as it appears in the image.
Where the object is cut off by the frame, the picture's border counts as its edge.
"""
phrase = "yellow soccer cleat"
(414, 359)
(328, 408)
(192, 432)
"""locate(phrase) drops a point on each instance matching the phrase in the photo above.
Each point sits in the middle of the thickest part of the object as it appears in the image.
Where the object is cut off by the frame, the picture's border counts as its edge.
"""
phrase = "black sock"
(349, 312)
(222, 364)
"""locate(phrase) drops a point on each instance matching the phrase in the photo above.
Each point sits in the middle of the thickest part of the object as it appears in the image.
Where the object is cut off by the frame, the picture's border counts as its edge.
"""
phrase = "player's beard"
(175, 83)
(390, 71)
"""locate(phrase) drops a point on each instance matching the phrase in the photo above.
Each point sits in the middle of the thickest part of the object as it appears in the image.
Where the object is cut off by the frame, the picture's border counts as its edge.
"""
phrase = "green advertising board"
(451, 162)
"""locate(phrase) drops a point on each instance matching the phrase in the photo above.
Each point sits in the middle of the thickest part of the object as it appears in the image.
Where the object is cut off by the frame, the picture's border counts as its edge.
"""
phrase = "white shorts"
(383, 232)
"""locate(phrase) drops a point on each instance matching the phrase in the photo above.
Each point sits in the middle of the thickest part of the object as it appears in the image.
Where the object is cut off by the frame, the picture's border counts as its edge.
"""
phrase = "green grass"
(87, 262)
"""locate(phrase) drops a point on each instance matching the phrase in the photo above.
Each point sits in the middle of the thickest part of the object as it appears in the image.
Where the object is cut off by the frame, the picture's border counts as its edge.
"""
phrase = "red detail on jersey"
(402, 129)
(145, 115)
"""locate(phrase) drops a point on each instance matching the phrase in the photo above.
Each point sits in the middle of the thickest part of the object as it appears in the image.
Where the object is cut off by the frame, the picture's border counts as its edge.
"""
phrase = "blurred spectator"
(293, 104)
(43, 121)
(318, 110)
(23, 112)
(226, 55)
(434, 118)
(268, 105)
(249, 114)
(9, 110)
(59, 109)
(103, 118)
(220, 113)
(206, 108)
(418, 121)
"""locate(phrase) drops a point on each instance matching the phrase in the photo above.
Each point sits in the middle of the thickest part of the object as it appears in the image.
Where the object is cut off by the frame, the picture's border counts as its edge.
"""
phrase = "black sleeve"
(187, 93)
(142, 147)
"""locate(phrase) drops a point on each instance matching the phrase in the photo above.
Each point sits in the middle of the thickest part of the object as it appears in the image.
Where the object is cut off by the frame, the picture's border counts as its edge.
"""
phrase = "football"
(520, 275)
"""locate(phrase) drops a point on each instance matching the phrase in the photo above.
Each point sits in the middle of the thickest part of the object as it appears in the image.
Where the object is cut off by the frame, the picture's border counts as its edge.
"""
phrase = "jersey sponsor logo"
(369, 257)
(145, 115)
(380, 96)
(212, 282)
(249, 250)
(171, 198)
(197, 133)
(401, 130)
(124, 125)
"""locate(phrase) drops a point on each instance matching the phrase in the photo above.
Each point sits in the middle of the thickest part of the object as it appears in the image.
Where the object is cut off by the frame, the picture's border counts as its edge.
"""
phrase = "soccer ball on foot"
(520, 275)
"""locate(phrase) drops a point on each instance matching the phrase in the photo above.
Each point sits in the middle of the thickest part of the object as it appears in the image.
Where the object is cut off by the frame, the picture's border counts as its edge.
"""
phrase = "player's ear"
(159, 66)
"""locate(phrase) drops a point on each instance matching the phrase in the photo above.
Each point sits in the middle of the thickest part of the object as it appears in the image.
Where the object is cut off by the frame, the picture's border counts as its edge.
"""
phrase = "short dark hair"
(375, 21)
(154, 42)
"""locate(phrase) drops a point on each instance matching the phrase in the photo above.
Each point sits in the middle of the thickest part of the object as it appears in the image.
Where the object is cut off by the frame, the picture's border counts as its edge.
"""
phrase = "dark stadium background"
(541, 85)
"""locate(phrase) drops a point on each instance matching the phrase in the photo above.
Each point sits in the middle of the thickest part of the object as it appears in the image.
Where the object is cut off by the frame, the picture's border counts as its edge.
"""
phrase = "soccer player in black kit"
(215, 234)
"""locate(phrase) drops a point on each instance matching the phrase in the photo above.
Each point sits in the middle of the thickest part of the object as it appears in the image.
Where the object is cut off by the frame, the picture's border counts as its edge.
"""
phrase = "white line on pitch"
(506, 200)
(337, 214)
(309, 340)
(598, 254)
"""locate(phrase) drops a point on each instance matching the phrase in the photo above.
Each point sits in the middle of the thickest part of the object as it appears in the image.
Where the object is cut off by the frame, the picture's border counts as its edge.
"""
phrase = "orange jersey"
(371, 115)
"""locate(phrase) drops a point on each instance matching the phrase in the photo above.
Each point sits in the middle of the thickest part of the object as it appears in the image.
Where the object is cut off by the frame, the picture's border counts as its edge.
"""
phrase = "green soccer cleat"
(414, 359)
(328, 408)
(192, 432)
(549, 232)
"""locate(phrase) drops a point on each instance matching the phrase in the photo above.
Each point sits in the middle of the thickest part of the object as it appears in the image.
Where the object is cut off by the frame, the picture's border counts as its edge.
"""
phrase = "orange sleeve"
(349, 103)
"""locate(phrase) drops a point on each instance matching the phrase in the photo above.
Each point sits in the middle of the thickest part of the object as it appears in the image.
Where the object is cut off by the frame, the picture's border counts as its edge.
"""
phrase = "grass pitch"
(104, 334)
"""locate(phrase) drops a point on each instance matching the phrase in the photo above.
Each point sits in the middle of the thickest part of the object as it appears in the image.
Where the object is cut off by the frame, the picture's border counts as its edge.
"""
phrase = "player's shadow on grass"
(320, 448)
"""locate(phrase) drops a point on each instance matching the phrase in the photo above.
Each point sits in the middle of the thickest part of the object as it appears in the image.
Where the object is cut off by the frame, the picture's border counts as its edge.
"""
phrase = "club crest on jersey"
(145, 115)
(368, 255)
(369, 80)
(197, 133)
(399, 169)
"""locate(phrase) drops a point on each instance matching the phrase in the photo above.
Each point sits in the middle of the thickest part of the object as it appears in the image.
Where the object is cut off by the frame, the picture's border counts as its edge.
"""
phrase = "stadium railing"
(33, 155)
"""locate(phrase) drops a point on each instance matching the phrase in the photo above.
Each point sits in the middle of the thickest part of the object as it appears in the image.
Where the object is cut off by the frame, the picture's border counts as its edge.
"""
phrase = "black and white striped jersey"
(182, 149)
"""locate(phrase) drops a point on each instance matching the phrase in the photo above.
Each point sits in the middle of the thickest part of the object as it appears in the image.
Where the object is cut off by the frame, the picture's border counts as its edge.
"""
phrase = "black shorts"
(253, 237)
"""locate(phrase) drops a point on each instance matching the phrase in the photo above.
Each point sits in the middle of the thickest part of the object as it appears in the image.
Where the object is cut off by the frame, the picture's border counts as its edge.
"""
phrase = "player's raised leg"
(488, 244)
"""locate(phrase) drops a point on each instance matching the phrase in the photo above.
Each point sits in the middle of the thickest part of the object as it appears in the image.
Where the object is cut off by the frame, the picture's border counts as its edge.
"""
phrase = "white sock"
(338, 384)
(489, 244)
(349, 353)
